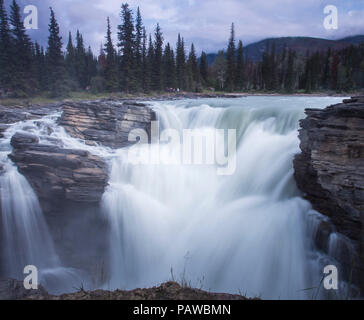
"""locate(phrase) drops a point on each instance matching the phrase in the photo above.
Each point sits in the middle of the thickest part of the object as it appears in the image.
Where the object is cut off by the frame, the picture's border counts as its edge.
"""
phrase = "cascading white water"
(242, 232)
(250, 232)
(25, 236)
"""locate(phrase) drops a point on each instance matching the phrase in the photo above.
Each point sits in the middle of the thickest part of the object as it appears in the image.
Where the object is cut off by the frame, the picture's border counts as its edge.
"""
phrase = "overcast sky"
(204, 22)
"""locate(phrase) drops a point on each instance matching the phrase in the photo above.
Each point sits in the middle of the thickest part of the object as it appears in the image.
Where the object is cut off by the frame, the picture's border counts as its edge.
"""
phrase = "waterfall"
(241, 233)
(25, 237)
(249, 232)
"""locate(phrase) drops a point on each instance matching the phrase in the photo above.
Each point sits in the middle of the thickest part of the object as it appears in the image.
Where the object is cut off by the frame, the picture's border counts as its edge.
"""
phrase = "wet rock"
(330, 171)
(13, 114)
(3, 128)
(57, 174)
(105, 122)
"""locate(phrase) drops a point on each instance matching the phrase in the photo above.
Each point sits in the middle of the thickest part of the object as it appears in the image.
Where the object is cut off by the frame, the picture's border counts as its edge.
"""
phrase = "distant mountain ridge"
(299, 44)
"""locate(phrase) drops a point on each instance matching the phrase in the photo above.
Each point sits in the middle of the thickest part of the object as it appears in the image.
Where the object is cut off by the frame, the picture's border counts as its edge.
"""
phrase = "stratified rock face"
(330, 170)
(59, 174)
(105, 122)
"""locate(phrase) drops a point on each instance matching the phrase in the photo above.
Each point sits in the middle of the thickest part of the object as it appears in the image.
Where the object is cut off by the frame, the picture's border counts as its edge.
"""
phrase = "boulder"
(330, 173)
(105, 122)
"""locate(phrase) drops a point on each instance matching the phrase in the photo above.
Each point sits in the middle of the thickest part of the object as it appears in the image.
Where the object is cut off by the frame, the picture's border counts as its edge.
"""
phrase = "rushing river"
(248, 231)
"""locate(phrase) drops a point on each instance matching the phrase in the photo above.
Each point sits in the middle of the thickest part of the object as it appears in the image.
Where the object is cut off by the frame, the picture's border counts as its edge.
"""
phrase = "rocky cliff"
(330, 173)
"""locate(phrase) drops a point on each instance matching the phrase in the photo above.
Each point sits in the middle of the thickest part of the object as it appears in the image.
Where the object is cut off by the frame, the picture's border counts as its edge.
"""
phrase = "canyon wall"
(330, 173)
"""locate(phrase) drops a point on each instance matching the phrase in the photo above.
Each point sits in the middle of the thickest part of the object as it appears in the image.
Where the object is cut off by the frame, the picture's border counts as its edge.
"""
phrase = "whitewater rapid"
(247, 232)
(250, 232)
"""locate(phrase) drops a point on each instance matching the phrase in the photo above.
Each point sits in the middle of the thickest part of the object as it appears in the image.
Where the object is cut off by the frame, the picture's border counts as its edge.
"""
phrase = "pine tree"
(158, 56)
(39, 67)
(193, 71)
(6, 50)
(55, 61)
(204, 69)
(144, 63)
(110, 70)
(139, 50)
(126, 44)
(239, 76)
(181, 64)
(81, 61)
(150, 61)
(231, 61)
(169, 68)
(91, 66)
(22, 53)
(71, 59)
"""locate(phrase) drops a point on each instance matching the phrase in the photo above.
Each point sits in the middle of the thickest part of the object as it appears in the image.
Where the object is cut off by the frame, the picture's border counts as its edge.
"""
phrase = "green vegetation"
(142, 64)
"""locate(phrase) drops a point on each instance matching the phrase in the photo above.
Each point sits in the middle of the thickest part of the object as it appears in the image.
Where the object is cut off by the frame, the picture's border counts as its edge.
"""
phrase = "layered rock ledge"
(58, 174)
(105, 122)
(330, 173)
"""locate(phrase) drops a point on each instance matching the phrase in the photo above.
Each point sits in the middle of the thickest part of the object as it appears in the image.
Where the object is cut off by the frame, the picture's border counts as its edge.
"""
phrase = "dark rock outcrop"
(9, 115)
(59, 174)
(330, 173)
(105, 122)
(166, 291)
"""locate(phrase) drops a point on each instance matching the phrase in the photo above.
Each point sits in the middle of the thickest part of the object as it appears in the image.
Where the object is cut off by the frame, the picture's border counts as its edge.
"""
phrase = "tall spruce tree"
(139, 50)
(181, 64)
(6, 50)
(144, 62)
(193, 71)
(150, 61)
(55, 60)
(240, 71)
(110, 69)
(71, 59)
(81, 61)
(126, 44)
(158, 57)
(204, 69)
(231, 61)
(169, 68)
(22, 53)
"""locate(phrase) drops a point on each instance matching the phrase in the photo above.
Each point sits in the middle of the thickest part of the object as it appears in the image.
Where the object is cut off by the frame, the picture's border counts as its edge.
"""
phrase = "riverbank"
(82, 96)
(14, 290)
